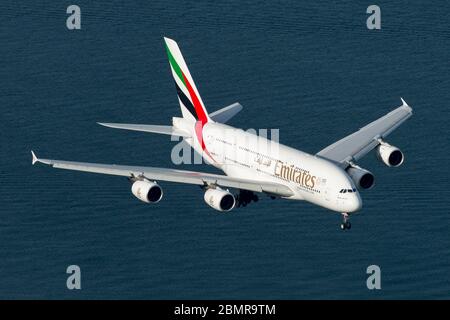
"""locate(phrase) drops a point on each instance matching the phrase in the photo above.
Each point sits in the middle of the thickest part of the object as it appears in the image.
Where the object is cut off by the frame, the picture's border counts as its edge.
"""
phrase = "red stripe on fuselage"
(199, 133)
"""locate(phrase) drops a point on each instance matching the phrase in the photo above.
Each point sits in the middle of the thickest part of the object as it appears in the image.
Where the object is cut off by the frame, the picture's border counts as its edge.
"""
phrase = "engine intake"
(219, 199)
(363, 178)
(149, 192)
(390, 155)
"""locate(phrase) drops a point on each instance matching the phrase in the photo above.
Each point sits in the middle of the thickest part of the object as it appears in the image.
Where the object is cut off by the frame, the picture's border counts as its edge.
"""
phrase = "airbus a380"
(253, 164)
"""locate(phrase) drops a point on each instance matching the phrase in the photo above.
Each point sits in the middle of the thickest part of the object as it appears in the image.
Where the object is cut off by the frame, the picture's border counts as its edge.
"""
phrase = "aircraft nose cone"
(355, 203)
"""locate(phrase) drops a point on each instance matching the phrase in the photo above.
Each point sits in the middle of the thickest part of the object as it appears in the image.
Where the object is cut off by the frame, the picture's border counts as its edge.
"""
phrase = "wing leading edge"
(172, 175)
(356, 145)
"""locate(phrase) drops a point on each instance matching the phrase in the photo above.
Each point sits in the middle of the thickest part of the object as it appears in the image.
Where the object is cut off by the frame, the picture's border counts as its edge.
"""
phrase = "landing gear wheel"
(348, 225)
(343, 226)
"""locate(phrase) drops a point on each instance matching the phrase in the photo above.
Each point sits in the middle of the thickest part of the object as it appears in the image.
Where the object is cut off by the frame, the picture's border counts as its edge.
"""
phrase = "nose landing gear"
(345, 225)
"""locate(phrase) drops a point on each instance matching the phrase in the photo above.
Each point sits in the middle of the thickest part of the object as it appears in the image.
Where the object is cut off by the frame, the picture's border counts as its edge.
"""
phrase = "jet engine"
(149, 192)
(390, 155)
(363, 178)
(219, 199)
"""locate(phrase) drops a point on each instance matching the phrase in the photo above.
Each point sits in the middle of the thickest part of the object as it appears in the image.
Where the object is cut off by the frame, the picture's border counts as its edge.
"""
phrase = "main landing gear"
(245, 197)
(345, 225)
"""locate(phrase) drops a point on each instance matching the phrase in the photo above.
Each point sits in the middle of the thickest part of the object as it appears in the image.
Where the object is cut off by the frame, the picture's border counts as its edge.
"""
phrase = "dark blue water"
(311, 69)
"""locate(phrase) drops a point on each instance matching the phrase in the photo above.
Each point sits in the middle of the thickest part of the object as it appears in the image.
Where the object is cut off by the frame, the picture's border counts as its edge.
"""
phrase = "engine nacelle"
(363, 178)
(390, 155)
(219, 199)
(149, 192)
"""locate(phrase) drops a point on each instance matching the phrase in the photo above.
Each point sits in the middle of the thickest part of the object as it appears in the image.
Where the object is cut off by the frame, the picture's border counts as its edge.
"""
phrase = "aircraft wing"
(172, 175)
(361, 142)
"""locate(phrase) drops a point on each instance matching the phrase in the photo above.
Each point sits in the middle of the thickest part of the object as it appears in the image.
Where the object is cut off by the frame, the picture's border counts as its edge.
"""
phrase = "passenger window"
(345, 191)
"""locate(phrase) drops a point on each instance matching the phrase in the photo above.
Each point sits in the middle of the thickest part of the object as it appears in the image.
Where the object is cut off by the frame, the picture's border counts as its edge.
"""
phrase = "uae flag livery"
(191, 103)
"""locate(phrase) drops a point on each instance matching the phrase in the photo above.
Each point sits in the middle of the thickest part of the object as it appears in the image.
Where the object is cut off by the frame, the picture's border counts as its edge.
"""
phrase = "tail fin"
(191, 103)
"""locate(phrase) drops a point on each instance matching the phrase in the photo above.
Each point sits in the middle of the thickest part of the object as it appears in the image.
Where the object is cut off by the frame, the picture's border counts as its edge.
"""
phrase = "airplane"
(253, 164)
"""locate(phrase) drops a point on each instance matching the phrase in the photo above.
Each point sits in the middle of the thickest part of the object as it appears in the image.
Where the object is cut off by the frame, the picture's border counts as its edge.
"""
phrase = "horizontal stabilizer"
(225, 114)
(169, 130)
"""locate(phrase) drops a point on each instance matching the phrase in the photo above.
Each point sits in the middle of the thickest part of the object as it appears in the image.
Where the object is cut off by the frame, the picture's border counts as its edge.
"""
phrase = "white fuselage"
(245, 155)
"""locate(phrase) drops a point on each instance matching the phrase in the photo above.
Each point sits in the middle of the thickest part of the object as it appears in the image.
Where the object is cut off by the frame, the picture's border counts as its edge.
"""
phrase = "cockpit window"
(347, 190)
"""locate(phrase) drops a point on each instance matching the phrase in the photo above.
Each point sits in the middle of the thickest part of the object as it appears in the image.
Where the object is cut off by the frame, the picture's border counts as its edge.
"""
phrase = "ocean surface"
(311, 69)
